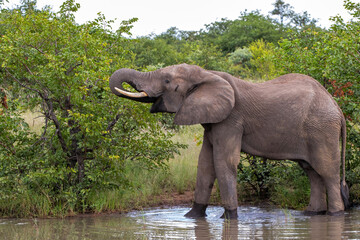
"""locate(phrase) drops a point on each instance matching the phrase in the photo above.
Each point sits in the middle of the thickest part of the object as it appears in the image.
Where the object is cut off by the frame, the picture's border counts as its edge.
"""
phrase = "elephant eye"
(167, 81)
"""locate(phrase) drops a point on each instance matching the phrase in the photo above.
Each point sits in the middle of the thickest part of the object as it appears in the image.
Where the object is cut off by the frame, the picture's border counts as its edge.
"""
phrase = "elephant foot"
(315, 210)
(338, 213)
(230, 214)
(197, 211)
(314, 213)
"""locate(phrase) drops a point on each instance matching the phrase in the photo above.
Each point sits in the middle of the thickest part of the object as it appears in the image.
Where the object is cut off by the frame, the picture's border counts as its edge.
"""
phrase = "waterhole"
(170, 223)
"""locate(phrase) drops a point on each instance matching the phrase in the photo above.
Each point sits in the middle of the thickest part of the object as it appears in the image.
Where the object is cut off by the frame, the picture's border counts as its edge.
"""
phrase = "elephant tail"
(343, 186)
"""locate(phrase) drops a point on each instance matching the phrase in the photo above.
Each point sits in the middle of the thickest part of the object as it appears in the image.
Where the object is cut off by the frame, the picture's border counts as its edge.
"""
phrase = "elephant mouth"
(159, 106)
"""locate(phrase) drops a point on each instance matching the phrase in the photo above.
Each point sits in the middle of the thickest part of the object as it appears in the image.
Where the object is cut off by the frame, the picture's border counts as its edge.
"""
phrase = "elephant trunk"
(134, 79)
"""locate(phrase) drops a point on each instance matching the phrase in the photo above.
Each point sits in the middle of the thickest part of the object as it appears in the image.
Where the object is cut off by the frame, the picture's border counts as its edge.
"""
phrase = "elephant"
(292, 117)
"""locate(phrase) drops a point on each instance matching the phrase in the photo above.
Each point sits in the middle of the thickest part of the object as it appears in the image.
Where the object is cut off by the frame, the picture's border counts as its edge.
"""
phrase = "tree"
(61, 69)
(154, 52)
(249, 27)
(2, 2)
(3, 99)
(214, 30)
(297, 20)
(303, 19)
(283, 10)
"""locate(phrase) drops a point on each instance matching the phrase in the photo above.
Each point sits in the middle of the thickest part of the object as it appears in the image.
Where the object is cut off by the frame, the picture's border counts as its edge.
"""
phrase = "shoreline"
(171, 200)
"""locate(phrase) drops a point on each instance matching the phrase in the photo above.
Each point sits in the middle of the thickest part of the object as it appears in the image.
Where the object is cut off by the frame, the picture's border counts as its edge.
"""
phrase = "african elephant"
(291, 117)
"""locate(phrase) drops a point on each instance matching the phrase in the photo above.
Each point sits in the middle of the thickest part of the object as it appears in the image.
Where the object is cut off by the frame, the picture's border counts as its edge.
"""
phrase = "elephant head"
(194, 94)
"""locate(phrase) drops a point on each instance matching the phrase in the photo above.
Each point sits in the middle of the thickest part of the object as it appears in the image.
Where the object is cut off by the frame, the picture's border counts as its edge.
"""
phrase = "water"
(253, 223)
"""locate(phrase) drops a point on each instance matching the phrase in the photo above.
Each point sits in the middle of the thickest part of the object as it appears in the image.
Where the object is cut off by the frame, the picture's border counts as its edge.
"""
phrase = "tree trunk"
(80, 156)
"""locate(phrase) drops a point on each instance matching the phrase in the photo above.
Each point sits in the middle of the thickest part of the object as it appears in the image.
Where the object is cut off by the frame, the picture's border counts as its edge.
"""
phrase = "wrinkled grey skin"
(291, 117)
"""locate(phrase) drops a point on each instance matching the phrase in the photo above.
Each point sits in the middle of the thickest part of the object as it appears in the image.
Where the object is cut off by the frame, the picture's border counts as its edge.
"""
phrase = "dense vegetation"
(60, 69)
(91, 141)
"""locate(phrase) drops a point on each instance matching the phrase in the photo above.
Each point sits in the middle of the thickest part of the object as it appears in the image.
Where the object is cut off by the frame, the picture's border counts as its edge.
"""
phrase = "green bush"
(62, 68)
(254, 61)
(240, 56)
(282, 182)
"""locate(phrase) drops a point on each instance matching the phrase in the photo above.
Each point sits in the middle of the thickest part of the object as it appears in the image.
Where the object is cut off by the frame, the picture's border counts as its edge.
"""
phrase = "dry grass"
(151, 188)
(183, 167)
(35, 121)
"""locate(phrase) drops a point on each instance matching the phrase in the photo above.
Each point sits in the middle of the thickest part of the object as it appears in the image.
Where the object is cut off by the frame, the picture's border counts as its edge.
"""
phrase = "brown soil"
(187, 198)
(173, 199)
(162, 201)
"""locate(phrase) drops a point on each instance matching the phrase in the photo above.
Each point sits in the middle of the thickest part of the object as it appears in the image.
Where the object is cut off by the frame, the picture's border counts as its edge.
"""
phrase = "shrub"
(52, 63)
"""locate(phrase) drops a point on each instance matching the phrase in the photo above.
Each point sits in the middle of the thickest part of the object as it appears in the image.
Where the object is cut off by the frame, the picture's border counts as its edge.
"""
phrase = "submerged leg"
(335, 201)
(325, 165)
(317, 204)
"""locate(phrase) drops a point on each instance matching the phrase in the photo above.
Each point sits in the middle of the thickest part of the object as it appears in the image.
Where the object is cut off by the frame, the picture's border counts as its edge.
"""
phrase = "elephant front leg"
(226, 159)
(227, 180)
(204, 181)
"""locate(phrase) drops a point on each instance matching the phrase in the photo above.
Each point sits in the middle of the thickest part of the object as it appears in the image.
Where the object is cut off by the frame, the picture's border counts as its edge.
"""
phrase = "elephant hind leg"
(335, 201)
(326, 175)
(317, 204)
(324, 157)
(327, 165)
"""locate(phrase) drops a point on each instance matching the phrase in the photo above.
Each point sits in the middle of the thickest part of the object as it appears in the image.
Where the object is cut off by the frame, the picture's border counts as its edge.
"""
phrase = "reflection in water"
(326, 227)
(253, 223)
(230, 230)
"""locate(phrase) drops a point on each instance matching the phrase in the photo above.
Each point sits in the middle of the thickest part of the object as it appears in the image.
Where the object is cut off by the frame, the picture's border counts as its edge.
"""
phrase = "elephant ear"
(210, 101)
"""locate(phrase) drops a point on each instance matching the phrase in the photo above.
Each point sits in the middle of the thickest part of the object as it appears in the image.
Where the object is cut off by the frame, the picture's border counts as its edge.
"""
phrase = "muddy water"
(253, 223)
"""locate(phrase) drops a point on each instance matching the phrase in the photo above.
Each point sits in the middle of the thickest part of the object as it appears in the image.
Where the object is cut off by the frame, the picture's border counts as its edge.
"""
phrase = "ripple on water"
(170, 223)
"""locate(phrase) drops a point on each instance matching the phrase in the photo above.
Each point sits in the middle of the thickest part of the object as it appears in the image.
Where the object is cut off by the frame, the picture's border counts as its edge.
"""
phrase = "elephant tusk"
(130, 94)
